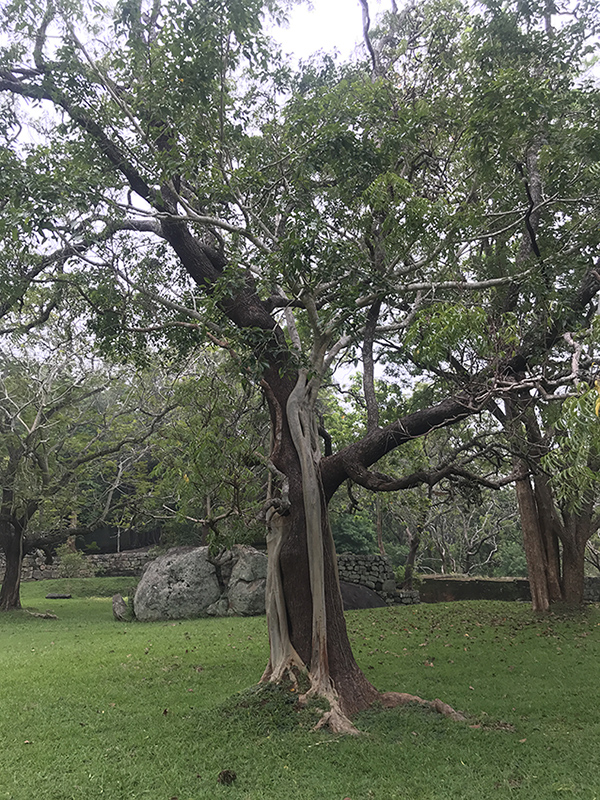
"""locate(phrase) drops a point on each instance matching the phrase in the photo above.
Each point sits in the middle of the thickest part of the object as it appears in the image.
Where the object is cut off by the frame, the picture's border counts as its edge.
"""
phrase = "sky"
(328, 25)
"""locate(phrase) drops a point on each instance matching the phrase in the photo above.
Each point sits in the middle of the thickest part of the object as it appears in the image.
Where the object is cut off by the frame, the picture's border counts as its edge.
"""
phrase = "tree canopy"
(433, 207)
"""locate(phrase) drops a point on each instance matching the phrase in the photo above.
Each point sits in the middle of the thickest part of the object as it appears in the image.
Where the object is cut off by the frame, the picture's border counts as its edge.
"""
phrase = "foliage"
(68, 427)
(510, 561)
(209, 478)
(353, 533)
(400, 575)
(572, 458)
(73, 564)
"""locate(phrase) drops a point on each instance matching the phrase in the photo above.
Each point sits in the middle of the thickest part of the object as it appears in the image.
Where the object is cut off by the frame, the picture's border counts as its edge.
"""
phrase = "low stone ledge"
(446, 588)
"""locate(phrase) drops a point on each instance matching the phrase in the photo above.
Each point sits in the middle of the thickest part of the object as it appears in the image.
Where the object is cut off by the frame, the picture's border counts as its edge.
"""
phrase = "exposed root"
(395, 699)
(286, 671)
(334, 719)
(337, 723)
(47, 615)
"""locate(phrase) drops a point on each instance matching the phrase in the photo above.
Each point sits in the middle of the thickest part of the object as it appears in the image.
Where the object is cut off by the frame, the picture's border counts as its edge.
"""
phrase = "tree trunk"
(573, 573)
(307, 629)
(539, 522)
(413, 546)
(335, 661)
(10, 594)
(550, 527)
(533, 545)
(576, 531)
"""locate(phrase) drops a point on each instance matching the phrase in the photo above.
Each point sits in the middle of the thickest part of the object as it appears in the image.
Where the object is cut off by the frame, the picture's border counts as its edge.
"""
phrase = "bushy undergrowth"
(92, 708)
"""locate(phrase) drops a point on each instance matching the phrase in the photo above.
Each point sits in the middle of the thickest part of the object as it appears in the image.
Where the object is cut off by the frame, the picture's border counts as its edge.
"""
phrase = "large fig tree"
(298, 220)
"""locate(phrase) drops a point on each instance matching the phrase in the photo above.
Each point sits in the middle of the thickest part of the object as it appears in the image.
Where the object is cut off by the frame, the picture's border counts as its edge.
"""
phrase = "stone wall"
(377, 573)
(129, 563)
(445, 588)
(373, 571)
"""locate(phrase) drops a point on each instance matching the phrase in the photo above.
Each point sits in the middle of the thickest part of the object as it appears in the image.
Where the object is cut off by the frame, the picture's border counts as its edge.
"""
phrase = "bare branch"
(366, 26)
(369, 367)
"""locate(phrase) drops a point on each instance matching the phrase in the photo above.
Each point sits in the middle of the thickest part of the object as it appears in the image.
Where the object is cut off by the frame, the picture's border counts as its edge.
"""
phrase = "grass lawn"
(92, 708)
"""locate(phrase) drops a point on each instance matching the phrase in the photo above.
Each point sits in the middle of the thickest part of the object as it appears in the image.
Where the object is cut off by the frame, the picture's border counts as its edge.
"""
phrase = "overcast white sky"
(328, 25)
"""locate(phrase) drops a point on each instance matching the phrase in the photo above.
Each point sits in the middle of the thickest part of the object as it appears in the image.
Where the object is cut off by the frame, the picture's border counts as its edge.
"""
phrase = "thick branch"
(337, 468)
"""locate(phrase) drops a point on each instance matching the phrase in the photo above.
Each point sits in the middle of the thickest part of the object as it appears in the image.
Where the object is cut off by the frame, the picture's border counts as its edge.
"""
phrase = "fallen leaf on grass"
(226, 777)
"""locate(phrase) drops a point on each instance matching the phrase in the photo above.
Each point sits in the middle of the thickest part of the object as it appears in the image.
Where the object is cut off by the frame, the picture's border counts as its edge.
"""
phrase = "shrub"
(72, 563)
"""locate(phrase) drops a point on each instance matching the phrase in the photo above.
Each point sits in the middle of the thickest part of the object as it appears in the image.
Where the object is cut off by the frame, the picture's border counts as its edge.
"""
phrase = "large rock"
(180, 584)
(246, 592)
(121, 611)
(186, 582)
(356, 596)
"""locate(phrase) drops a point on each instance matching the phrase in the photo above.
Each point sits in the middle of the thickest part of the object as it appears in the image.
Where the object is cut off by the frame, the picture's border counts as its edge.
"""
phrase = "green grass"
(92, 708)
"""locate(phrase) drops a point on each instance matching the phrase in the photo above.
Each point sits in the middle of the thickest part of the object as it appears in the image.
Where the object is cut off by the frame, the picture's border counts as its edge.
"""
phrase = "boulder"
(246, 591)
(218, 609)
(356, 596)
(187, 582)
(120, 610)
(180, 584)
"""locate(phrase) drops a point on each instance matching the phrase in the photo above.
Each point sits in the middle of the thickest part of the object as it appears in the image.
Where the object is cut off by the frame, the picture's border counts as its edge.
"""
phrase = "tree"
(562, 449)
(297, 219)
(210, 477)
(530, 127)
(58, 415)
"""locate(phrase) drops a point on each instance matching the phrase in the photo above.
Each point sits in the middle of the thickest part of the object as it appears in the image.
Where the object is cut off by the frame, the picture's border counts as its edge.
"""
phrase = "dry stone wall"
(128, 563)
(375, 572)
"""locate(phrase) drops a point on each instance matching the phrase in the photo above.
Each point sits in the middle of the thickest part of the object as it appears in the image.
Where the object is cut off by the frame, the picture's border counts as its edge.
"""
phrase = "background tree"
(210, 477)
(58, 416)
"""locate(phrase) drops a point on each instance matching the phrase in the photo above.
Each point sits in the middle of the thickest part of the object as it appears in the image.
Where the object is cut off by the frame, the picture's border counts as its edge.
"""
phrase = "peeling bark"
(306, 624)
(283, 658)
